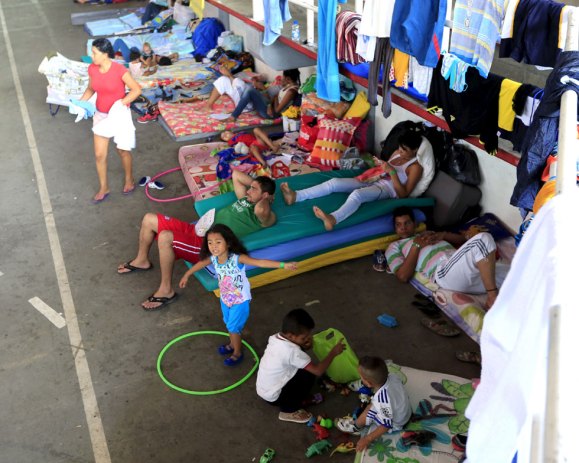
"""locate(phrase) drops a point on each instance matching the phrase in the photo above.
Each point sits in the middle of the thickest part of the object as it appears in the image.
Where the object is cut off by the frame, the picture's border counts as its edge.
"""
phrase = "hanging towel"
(276, 13)
(506, 112)
(327, 83)
(514, 341)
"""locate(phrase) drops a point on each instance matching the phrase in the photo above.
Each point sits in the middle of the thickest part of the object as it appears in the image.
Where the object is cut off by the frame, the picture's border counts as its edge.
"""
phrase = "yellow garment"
(506, 113)
(197, 6)
(360, 106)
(545, 194)
(400, 64)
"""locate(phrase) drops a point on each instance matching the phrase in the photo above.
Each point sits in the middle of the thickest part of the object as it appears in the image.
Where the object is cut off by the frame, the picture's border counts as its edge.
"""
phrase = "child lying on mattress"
(256, 143)
(399, 177)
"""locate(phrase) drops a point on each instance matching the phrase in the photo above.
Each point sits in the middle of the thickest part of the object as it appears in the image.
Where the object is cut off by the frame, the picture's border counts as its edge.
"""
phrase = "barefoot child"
(389, 409)
(286, 373)
(228, 255)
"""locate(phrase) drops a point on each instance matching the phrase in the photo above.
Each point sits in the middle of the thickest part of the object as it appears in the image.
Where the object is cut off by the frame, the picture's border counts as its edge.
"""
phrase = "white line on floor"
(91, 409)
(53, 316)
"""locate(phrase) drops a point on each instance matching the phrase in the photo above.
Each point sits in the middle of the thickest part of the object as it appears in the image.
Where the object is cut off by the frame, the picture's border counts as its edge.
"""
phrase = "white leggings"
(361, 192)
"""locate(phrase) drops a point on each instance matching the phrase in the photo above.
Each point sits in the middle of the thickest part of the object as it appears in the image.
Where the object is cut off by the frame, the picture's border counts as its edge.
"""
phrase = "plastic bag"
(461, 164)
(344, 367)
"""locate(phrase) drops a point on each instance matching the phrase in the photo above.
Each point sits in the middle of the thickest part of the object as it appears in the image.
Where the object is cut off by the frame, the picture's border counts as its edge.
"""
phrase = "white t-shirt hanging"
(377, 18)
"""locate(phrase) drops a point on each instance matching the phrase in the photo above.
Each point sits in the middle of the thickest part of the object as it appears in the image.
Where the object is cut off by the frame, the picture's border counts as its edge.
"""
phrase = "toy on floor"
(321, 432)
(344, 447)
(267, 456)
(325, 422)
(387, 320)
(318, 448)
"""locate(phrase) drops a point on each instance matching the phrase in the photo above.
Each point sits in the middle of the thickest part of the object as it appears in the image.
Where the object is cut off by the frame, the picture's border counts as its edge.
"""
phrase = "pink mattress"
(188, 120)
(198, 168)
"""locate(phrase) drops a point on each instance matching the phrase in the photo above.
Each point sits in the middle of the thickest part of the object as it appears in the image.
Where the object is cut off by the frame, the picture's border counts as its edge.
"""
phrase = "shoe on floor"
(459, 442)
(233, 360)
(419, 438)
(347, 425)
(379, 261)
(149, 117)
(299, 416)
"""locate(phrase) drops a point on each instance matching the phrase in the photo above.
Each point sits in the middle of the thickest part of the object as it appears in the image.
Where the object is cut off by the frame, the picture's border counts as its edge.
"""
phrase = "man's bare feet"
(289, 195)
(134, 266)
(328, 219)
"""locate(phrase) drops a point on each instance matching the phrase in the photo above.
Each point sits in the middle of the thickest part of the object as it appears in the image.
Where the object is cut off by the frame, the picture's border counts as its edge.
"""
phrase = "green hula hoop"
(218, 391)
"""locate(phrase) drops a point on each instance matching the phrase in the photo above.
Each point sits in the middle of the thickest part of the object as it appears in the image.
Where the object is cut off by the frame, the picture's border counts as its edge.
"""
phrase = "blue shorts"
(235, 316)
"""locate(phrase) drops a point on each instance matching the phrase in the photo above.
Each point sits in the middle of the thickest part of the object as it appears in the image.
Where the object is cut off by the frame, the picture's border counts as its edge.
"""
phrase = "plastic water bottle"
(296, 31)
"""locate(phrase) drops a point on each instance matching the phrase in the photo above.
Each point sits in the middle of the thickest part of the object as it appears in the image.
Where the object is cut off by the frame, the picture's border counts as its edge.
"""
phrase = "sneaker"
(147, 118)
(379, 261)
(459, 442)
(299, 416)
(347, 425)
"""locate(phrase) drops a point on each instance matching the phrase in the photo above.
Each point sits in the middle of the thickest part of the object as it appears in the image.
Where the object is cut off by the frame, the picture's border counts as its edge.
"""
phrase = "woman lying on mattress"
(407, 172)
(267, 105)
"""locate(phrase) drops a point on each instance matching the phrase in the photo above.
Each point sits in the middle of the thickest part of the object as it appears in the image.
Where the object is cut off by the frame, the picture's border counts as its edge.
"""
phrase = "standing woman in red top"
(112, 118)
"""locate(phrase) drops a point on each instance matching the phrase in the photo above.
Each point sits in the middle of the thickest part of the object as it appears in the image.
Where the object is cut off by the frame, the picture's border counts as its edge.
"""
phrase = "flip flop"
(128, 192)
(156, 185)
(131, 268)
(98, 201)
(428, 308)
(440, 327)
(163, 300)
(468, 356)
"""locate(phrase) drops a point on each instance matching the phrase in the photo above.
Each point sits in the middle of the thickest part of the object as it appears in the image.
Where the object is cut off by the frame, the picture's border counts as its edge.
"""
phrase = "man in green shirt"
(181, 240)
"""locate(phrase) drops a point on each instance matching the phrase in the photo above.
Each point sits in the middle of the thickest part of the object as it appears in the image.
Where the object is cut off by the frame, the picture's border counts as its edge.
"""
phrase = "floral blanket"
(438, 402)
(184, 71)
(190, 120)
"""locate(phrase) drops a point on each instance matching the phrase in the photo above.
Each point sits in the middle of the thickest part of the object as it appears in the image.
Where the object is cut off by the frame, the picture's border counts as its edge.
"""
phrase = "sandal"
(419, 438)
(164, 301)
(428, 308)
(267, 456)
(132, 269)
(468, 356)
(225, 349)
(440, 327)
(233, 360)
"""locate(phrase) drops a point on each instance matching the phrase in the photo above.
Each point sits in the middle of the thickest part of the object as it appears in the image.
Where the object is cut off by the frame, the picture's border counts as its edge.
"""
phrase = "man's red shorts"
(186, 243)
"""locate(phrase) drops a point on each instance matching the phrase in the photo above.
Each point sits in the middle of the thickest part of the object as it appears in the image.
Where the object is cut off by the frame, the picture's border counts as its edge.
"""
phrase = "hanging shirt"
(109, 86)
(475, 31)
(377, 18)
(417, 29)
(276, 12)
(506, 113)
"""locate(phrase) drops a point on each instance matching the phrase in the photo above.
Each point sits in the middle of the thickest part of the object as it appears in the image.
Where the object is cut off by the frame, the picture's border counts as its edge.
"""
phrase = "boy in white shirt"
(286, 373)
(388, 411)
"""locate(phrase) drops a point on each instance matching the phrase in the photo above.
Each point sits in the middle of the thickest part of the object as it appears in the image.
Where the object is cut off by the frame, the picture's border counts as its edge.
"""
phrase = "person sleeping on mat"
(396, 178)
(256, 143)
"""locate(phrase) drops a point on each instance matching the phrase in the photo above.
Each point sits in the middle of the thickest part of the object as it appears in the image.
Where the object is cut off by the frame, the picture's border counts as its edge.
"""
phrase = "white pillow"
(425, 157)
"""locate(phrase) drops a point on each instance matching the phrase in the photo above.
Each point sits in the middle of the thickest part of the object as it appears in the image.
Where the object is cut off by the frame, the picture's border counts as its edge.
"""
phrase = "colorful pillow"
(334, 137)
(308, 133)
(360, 106)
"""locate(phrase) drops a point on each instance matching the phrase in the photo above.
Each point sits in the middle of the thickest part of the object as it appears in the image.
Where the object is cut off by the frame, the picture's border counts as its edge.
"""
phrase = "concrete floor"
(43, 416)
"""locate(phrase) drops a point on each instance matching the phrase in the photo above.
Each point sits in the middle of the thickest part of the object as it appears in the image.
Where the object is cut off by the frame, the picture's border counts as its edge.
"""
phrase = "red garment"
(108, 86)
(245, 138)
(186, 243)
